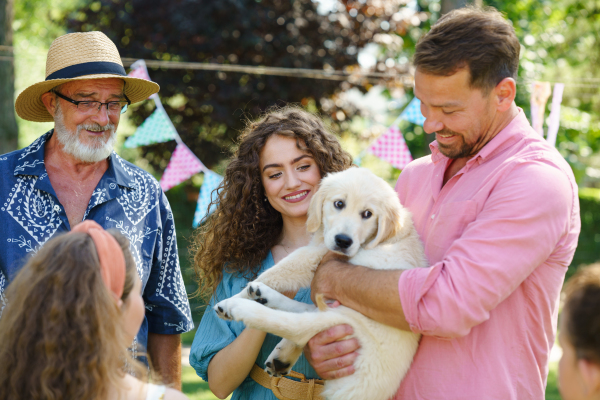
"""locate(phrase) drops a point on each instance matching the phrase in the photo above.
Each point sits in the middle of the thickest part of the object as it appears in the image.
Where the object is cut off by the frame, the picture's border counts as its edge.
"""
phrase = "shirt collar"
(117, 171)
(31, 159)
(31, 162)
(513, 132)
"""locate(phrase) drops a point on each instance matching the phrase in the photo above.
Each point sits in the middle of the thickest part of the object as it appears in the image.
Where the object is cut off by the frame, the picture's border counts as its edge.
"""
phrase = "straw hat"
(78, 56)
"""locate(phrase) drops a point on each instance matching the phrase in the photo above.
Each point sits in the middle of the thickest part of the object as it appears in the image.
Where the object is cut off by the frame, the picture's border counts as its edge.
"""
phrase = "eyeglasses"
(92, 107)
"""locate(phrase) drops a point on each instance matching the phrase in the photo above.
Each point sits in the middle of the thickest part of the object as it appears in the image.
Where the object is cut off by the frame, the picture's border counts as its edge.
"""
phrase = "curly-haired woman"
(259, 220)
(72, 312)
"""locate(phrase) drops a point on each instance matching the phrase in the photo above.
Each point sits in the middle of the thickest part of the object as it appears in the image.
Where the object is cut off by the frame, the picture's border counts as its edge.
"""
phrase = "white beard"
(98, 150)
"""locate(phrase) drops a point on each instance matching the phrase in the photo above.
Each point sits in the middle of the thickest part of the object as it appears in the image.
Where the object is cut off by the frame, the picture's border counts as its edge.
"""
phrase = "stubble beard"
(99, 149)
(459, 150)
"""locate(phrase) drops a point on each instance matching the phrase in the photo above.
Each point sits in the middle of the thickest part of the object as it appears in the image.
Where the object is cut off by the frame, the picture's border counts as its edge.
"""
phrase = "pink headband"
(112, 260)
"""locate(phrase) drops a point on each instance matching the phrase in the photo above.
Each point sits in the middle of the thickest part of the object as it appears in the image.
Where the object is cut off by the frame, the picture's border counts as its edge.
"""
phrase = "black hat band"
(89, 68)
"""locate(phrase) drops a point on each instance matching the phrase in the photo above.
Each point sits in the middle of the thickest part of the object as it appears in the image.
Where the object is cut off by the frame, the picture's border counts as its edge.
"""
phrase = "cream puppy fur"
(357, 214)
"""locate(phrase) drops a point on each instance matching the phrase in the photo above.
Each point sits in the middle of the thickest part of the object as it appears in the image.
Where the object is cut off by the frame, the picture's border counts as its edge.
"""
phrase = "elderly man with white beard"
(71, 174)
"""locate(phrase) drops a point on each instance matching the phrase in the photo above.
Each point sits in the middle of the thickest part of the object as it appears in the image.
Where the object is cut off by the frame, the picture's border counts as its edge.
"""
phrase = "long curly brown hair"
(243, 228)
(61, 334)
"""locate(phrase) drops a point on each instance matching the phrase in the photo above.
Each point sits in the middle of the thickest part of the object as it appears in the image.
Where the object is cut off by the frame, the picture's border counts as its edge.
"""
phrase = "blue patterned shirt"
(127, 199)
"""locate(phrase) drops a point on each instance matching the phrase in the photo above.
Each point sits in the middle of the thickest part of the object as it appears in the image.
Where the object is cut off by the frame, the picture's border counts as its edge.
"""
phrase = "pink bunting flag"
(138, 70)
(182, 165)
(392, 148)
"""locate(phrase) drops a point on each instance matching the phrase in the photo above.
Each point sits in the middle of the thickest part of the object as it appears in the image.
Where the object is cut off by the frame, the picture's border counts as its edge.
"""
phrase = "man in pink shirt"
(497, 210)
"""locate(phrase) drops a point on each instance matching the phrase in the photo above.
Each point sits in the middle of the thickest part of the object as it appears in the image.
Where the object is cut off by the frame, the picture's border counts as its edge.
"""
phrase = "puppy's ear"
(389, 223)
(315, 210)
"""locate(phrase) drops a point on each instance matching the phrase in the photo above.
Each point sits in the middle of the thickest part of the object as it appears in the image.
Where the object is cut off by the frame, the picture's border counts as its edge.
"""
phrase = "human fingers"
(331, 335)
(337, 367)
(330, 356)
(323, 353)
(326, 275)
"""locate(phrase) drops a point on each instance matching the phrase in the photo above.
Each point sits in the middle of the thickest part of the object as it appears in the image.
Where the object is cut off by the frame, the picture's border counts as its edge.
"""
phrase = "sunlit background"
(365, 46)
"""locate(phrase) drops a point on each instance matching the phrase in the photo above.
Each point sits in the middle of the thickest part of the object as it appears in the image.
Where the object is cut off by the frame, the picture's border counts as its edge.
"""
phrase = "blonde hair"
(60, 333)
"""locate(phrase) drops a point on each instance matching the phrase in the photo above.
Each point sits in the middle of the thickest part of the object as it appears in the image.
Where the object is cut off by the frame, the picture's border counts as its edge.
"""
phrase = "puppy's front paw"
(282, 358)
(224, 309)
(277, 368)
(255, 291)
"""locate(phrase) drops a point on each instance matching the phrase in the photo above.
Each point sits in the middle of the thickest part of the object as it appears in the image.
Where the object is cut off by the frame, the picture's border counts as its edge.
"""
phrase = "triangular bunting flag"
(211, 182)
(138, 70)
(392, 148)
(412, 112)
(540, 91)
(157, 128)
(554, 118)
(182, 165)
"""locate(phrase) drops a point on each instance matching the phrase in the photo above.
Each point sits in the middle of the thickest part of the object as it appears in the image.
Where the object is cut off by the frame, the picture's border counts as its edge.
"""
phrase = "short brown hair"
(480, 39)
(582, 312)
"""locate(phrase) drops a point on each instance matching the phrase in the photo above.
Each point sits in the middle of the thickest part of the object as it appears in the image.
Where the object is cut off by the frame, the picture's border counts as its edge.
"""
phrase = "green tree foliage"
(209, 108)
(561, 43)
(8, 125)
(36, 24)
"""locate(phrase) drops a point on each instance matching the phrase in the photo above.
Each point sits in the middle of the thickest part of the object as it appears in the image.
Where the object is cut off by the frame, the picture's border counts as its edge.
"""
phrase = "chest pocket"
(447, 226)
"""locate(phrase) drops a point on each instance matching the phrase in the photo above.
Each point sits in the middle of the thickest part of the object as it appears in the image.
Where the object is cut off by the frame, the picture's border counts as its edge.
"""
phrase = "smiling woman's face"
(289, 175)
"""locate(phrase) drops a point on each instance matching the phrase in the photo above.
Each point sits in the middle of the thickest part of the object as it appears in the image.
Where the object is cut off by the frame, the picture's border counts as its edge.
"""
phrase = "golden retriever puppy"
(357, 214)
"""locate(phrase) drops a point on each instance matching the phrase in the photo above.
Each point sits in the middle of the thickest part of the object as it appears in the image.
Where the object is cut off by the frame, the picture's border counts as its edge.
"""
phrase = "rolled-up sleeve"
(520, 226)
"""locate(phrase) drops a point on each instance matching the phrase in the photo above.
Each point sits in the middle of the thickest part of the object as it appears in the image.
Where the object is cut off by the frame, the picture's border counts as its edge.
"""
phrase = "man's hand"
(330, 356)
(325, 276)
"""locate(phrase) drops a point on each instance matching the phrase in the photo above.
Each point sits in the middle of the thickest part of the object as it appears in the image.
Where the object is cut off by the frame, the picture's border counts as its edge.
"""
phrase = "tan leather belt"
(289, 389)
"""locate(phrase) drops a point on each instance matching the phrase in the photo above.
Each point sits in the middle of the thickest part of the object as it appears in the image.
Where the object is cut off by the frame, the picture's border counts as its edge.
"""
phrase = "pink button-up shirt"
(499, 237)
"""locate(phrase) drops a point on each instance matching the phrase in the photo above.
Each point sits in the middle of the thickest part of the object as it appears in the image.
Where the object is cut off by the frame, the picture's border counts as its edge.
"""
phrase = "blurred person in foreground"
(71, 174)
(498, 212)
(260, 218)
(579, 337)
(73, 310)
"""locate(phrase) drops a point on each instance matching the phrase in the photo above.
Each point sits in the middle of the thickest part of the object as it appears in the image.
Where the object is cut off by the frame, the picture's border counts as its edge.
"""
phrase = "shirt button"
(57, 208)
(432, 216)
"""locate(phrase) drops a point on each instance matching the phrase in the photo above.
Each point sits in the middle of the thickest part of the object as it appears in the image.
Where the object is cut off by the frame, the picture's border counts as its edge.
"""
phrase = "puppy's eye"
(366, 214)
(338, 204)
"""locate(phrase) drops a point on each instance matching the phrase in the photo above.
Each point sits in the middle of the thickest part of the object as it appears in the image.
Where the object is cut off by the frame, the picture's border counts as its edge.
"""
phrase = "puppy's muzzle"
(343, 241)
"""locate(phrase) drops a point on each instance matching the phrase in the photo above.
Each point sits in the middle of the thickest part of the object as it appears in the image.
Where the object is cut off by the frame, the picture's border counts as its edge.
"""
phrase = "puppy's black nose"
(343, 241)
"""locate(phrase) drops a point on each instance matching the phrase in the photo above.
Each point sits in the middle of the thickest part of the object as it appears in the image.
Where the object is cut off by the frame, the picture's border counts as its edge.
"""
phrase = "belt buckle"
(275, 381)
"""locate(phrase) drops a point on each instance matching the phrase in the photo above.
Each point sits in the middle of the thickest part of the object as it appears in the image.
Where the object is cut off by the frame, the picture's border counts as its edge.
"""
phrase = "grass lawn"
(552, 386)
(194, 387)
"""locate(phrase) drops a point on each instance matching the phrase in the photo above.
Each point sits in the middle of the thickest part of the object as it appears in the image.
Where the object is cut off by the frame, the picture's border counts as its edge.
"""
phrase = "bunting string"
(183, 164)
(390, 146)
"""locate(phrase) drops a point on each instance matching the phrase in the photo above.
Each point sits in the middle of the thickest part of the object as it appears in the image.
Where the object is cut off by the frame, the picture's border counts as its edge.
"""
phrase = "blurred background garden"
(349, 60)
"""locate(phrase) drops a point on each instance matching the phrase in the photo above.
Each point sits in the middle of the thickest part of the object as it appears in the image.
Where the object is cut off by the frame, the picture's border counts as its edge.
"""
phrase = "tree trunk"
(9, 132)
(449, 5)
